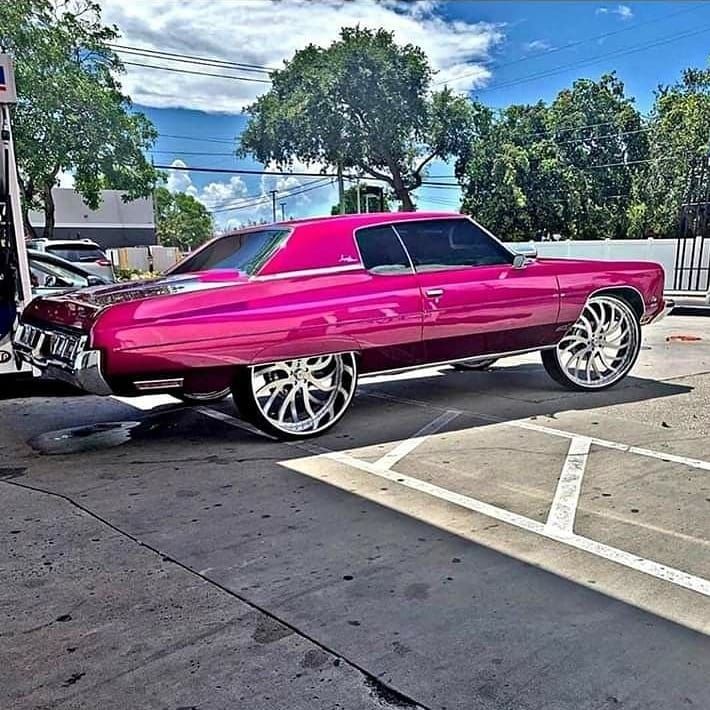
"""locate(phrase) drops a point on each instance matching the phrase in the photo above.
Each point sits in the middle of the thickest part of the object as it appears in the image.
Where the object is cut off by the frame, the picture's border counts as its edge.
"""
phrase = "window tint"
(78, 252)
(382, 251)
(50, 275)
(243, 252)
(446, 243)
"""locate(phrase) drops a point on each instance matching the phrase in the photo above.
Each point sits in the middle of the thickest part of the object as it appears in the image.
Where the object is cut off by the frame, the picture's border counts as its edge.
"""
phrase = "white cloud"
(537, 45)
(624, 12)
(65, 179)
(265, 32)
(234, 205)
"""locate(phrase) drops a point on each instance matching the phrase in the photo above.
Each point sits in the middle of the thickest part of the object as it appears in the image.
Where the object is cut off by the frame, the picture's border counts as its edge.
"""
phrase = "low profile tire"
(296, 399)
(600, 349)
(474, 365)
(203, 398)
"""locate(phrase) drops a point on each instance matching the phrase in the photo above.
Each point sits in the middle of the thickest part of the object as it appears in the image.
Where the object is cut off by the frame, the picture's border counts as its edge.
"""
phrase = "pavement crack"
(384, 692)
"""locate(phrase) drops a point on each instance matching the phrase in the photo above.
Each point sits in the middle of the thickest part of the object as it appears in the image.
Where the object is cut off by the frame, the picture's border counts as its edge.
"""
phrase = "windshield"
(244, 252)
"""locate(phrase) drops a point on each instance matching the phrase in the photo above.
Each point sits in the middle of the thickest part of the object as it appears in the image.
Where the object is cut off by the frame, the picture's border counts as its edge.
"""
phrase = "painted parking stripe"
(560, 519)
(408, 445)
(526, 424)
(613, 554)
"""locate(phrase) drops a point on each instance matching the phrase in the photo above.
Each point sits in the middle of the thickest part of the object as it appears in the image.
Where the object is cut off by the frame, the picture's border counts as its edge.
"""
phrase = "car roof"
(360, 220)
(57, 260)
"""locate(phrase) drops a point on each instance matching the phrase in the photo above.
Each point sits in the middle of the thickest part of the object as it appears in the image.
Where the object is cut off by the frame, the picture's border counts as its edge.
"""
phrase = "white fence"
(662, 251)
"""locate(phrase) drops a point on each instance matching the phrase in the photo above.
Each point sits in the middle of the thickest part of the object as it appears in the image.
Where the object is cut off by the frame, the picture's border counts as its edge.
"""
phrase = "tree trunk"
(406, 200)
(49, 220)
(29, 230)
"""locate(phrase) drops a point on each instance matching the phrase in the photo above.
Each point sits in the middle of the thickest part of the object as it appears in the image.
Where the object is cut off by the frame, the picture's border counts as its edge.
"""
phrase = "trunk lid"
(79, 309)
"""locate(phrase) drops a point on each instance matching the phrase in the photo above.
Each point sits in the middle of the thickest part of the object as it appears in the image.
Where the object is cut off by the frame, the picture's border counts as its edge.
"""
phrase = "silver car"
(51, 274)
(82, 252)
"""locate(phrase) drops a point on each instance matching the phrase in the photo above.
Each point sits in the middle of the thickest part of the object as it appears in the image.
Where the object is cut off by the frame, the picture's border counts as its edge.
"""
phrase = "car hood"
(78, 309)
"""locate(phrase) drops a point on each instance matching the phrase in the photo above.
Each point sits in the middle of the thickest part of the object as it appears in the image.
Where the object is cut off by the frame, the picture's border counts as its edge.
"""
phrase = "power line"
(592, 60)
(197, 73)
(190, 59)
(570, 45)
(196, 138)
(265, 198)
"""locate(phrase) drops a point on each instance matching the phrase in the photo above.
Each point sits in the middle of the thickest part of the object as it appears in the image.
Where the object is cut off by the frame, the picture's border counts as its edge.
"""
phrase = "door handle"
(434, 292)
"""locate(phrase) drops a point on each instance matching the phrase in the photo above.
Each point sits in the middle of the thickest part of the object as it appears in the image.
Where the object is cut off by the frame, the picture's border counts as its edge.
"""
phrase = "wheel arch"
(631, 295)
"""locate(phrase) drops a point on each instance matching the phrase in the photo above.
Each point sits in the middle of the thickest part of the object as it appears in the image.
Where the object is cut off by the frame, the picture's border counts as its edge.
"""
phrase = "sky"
(498, 52)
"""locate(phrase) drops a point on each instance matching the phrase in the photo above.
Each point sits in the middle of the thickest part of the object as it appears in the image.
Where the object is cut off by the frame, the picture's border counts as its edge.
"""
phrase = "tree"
(362, 103)
(561, 168)
(679, 138)
(181, 220)
(351, 204)
(71, 114)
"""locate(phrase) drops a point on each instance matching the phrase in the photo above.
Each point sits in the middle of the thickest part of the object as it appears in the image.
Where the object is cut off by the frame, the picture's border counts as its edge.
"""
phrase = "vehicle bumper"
(62, 356)
(668, 306)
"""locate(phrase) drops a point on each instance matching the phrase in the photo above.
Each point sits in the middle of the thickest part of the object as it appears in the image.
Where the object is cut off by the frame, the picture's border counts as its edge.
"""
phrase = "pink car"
(287, 316)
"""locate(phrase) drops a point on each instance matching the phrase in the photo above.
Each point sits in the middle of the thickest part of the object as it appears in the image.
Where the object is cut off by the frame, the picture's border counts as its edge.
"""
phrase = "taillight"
(103, 262)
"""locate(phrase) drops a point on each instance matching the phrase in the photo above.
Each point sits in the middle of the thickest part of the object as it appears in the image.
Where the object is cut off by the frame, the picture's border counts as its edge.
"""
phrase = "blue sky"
(491, 50)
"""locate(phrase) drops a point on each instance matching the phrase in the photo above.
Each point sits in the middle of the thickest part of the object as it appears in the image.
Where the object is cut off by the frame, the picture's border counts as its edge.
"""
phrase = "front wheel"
(295, 399)
(599, 349)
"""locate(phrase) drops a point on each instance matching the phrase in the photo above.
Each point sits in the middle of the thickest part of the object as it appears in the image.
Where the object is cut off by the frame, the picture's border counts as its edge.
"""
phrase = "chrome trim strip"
(470, 358)
(321, 271)
(169, 383)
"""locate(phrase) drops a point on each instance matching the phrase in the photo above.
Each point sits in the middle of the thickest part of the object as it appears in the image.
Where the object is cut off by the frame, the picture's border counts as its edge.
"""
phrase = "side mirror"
(95, 281)
(519, 261)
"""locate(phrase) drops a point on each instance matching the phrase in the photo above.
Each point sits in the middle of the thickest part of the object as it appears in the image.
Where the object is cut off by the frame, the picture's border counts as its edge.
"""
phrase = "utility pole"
(273, 203)
(357, 188)
(341, 188)
(283, 211)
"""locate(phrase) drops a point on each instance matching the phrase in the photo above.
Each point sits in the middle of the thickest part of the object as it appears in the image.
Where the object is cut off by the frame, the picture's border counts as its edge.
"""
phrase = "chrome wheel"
(304, 396)
(602, 346)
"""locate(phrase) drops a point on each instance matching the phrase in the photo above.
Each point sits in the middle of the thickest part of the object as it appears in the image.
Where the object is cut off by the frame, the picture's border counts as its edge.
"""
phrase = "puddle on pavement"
(95, 437)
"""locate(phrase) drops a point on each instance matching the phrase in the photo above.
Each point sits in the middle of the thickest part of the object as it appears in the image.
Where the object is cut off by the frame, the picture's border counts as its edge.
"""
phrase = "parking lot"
(460, 540)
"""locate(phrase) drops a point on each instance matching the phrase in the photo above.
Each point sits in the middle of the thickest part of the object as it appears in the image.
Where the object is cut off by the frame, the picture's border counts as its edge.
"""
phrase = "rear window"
(381, 250)
(77, 252)
(245, 252)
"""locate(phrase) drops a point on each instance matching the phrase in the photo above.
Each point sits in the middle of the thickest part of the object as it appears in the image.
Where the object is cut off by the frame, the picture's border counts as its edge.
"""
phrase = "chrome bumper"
(62, 356)
(668, 306)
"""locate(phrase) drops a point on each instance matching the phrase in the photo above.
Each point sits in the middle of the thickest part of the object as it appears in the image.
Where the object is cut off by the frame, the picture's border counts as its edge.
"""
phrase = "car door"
(475, 301)
(390, 303)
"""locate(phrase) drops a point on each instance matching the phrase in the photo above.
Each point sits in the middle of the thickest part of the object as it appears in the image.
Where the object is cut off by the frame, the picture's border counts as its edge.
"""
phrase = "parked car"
(288, 316)
(79, 251)
(51, 274)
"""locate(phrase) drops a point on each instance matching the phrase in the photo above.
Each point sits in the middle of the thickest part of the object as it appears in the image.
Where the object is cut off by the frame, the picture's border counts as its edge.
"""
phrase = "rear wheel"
(295, 399)
(599, 349)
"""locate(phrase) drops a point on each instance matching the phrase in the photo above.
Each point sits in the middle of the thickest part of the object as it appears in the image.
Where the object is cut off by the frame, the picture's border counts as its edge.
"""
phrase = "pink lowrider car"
(287, 316)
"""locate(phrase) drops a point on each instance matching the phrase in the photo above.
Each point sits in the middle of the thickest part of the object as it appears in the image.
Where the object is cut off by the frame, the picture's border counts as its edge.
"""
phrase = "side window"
(381, 251)
(443, 244)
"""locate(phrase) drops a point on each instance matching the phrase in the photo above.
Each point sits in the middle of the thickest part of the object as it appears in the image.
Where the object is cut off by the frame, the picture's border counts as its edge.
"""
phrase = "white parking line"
(526, 424)
(613, 554)
(560, 520)
(408, 445)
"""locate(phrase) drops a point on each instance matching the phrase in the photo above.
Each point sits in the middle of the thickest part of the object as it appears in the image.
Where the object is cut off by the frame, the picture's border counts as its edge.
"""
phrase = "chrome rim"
(306, 395)
(600, 348)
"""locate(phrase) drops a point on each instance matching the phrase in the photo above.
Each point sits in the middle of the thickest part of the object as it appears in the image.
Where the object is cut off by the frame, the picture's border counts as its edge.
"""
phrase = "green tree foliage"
(350, 200)
(71, 114)
(533, 170)
(181, 220)
(679, 137)
(364, 103)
